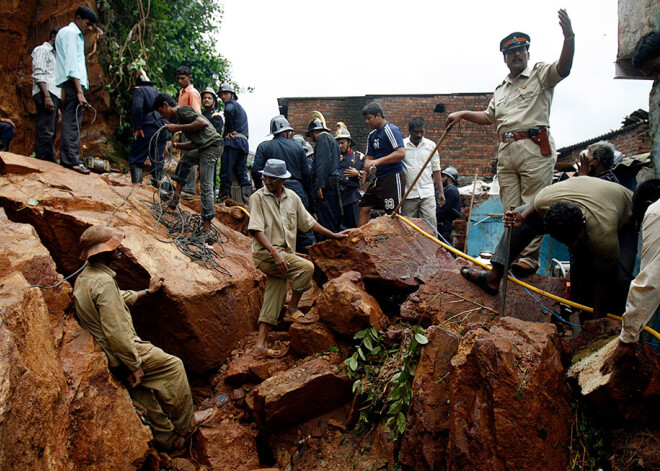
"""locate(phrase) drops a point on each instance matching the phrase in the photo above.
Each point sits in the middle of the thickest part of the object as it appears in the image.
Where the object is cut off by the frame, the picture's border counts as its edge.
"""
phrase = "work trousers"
(6, 135)
(204, 158)
(234, 162)
(70, 127)
(583, 267)
(191, 181)
(300, 273)
(522, 172)
(327, 210)
(165, 394)
(350, 218)
(421, 208)
(46, 128)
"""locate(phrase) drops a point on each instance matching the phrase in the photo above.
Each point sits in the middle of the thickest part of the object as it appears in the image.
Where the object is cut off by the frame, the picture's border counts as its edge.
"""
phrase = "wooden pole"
(435, 149)
(467, 229)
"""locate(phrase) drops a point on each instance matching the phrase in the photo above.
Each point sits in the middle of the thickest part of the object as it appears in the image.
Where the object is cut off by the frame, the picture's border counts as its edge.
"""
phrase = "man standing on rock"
(275, 214)
(46, 96)
(385, 151)
(188, 96)
(521, 110)
(71, 75)
(156, 379)
(234, 157)
(204, 146)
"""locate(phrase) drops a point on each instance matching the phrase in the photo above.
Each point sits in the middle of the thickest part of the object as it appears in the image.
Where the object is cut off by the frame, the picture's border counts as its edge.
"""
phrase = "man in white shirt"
(421, 199)
(644, 295)
(46, 96)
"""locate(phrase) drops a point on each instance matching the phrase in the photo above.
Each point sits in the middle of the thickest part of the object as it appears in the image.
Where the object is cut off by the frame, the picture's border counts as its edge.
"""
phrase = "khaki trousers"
(300, 273)
(522, 172)
(165, 393)
(421, 208)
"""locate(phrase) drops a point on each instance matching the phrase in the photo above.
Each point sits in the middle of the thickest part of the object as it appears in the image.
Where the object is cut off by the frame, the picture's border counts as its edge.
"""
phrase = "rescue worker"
(203, 146)
(309, 152)
(520, 108)
(385, 151)
(188, 96)
(351, 167)
(154, 378)
(234, 157)
(593, 217)
(275, 213)
(145, 126)
(211, 112)
(451, 208)
(421, 201)
(325, 173)
(293, 155)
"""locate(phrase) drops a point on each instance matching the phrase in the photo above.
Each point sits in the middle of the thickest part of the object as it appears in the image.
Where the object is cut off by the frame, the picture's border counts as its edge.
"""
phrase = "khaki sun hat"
(98, 239)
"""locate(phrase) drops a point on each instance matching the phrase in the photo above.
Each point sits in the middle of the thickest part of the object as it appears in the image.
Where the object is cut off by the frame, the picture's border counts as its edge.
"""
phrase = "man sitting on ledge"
(155, 379)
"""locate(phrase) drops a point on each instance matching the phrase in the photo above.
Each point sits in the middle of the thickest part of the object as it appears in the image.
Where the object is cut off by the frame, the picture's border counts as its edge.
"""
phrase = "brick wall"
(629, 140)
(468, 147)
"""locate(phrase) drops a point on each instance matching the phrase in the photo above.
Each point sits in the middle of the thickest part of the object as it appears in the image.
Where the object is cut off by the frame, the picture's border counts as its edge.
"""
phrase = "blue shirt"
(70, 62)
(382, 142)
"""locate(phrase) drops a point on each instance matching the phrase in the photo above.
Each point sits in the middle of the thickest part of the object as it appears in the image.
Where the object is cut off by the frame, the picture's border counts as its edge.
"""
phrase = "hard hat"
(342, 132)
(317, 123)
(98, 239)
(451, 172)
(309, 150)
(143, 79)
(227, 87)
(299, 139)
(279, 124)
(210, 90)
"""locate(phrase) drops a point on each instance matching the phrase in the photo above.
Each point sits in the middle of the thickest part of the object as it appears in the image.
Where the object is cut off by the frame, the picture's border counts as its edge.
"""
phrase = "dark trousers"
(234, 161)
(6, 135)
(46, 128)
(584, 274)
(69, 132)
(350, 218)
(327, 210)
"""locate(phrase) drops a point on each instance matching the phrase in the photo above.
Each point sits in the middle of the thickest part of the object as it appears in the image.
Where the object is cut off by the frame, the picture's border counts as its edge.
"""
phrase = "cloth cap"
(275, 168)
(98, 239)
(514, 40)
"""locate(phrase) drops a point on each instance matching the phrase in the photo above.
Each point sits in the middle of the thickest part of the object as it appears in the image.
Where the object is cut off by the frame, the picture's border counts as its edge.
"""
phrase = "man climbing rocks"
(275, 214)
(155, 379)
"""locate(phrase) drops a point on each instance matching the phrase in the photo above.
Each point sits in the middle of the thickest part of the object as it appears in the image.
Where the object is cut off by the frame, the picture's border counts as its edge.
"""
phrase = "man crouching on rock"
(157, 380)
(275, 214)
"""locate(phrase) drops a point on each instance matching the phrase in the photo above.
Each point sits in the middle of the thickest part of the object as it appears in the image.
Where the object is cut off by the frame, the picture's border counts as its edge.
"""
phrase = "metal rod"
(507, 240)
(435, 149)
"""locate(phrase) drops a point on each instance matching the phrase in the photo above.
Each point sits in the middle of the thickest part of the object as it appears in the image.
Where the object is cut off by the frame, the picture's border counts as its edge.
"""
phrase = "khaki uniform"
(279, 222)
(102, 309)
(516, 106)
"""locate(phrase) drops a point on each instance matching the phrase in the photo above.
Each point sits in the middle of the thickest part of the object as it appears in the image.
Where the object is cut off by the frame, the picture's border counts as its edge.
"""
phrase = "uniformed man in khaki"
(156, 379)
(520, 108)
(275, 215)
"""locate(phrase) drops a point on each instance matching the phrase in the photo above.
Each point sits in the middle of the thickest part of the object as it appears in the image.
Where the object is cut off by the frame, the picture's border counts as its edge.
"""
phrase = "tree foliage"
(158, 36)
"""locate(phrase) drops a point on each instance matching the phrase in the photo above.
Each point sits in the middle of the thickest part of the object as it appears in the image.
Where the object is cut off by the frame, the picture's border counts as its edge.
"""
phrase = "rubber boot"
(246, 192)
(224, 194)
(136, 175)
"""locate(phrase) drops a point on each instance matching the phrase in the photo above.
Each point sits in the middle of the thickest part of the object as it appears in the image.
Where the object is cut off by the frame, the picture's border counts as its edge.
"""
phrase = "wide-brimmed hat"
(275, 168)
(98, 239)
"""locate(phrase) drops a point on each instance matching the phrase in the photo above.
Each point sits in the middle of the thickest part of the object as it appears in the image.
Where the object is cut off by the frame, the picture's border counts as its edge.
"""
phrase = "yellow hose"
(515, 280)
(241, 208)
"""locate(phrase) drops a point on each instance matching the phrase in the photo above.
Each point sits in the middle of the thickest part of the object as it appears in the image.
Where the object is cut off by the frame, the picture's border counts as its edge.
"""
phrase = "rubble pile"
(489, 391)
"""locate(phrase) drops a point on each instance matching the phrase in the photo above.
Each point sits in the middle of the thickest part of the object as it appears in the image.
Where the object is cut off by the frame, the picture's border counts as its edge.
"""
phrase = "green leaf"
(401, 422)
(421, 339)
(356, 385)
(368, 344)
(361, 334)
(359, 350)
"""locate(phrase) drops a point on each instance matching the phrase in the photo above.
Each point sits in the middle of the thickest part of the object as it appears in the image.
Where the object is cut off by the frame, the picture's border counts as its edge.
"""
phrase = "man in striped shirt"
(385, 151)
(46, 96)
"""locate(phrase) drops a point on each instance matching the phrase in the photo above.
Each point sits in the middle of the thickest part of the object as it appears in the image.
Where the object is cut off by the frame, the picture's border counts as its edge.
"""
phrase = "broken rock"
(385, 251)
(226, 445)
(346, 307)
(296, 395)
(308, 339)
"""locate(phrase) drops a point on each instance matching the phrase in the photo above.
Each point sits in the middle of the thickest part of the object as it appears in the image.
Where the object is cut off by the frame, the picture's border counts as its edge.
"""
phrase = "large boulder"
(308, 339)
(346, 307)
(296, 395)
(59, 406)
(385, 251)
(452, 301)
(226, 445)
(495, 400)
(198, 315)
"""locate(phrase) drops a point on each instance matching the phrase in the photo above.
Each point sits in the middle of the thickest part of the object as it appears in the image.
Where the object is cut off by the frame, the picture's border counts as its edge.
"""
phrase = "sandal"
(480, 280)
(80, 169)
(273, 353)
(298, 318)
